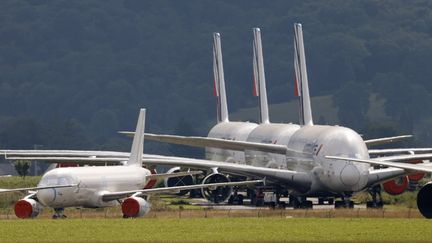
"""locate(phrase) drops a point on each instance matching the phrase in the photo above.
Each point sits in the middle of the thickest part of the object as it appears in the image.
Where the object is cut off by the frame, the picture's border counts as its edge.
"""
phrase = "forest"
(73, 73)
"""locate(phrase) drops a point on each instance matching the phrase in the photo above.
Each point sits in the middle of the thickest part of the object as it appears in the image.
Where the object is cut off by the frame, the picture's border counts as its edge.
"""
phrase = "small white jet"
(103, 186)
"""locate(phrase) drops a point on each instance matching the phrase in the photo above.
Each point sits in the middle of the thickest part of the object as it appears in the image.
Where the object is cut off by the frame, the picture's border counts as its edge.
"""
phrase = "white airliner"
(318, 160)
(306, 169)
(265, 145)
(103, 186)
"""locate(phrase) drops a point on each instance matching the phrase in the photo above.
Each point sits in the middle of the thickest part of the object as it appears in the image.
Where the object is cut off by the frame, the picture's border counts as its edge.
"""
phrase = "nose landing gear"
(59, 213)
(345, 202)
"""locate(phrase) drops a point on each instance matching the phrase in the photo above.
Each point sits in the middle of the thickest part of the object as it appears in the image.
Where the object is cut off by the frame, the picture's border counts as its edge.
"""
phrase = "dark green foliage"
(74, 72)
(22, 167)
(185, 128)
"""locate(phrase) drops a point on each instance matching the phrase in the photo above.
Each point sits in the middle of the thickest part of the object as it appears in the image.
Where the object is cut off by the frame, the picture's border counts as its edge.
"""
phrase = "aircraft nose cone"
(350, 175)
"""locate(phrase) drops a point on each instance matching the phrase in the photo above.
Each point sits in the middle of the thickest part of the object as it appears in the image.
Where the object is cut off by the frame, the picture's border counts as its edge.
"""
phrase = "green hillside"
(75, 72)
(324, 111)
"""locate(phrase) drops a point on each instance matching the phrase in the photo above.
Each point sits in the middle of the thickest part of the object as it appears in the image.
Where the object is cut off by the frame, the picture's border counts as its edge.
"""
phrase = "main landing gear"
(377, 201)
(345, 202)
(59, 213)
(300, 202)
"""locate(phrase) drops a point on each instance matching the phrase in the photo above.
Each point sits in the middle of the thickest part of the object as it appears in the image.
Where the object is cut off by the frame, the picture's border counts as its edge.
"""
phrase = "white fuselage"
(316, 142)
(235, 131)
(91, 183)
(330, 175)
(272, 133)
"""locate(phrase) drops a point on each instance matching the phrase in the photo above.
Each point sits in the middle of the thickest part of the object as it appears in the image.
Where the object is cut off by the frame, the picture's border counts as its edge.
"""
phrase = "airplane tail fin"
(219, 80)
(301, 79)
(138, 141)
(259, 76)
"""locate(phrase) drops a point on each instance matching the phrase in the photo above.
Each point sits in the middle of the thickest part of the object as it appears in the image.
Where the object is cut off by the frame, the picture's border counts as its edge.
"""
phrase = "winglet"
(259, 76)
(219, 80)
(138, 141)
(301, 79)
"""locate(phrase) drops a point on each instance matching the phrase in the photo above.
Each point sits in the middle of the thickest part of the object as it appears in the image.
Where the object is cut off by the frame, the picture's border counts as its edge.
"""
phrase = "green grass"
(216, 229)
(8, 199)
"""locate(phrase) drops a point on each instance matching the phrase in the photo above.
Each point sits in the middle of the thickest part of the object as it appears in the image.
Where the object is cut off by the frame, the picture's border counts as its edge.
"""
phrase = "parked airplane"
(307, 169)
(304, 173)
(103, 186)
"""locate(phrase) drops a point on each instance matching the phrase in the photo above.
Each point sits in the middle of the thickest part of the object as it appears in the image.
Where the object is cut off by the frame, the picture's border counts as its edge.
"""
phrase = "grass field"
(216, 230)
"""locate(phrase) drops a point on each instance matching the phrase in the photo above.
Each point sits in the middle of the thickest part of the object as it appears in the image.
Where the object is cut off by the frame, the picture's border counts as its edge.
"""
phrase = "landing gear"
(322, 200)
(377, 201)
(59, 213)
(345, 203)
(236, 199)
(300, 202)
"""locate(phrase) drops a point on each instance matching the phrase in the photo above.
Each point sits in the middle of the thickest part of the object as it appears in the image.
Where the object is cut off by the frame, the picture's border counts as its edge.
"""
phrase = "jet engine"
(153, 182)
(27, 208)
(178, 181)
(424, 200)
(396, 186)
(218, 194)
(133, 207)
(415, 177)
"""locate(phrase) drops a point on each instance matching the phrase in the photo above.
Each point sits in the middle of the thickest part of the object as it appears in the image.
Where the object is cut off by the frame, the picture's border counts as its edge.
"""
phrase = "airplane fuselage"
(235, 131)
(315, 142)
(91, 183)
(330, 175)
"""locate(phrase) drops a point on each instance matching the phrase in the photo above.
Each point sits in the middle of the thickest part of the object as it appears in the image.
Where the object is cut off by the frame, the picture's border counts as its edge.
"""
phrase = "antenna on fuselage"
(219, 80)
(259, 76)
(301, 79)
(137, 149)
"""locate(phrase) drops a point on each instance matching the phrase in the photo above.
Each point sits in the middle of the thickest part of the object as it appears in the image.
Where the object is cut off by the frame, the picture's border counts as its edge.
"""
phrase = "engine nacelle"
(218, 194)
(424, 200)
(396, 186)
(415, 177)
(133, 207)
(27, 208)
(151, 183)
(179, 181)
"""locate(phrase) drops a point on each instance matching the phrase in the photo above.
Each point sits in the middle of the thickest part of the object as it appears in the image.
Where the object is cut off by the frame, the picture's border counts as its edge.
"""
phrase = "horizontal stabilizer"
(399, 151)
(380, 141)
(405, 158)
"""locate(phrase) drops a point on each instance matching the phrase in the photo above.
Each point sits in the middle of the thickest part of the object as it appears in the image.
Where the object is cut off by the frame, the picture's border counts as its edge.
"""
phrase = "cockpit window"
(53, 181)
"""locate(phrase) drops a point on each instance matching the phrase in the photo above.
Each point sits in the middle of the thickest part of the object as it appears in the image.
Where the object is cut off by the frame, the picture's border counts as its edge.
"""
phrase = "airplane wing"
(404, 166)
(109, 196)
(83, 157)
(35, 188)
(405, 157)
(399, 151)
(299, 180)
(221, 143)
(380, 141)
(64, 153)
